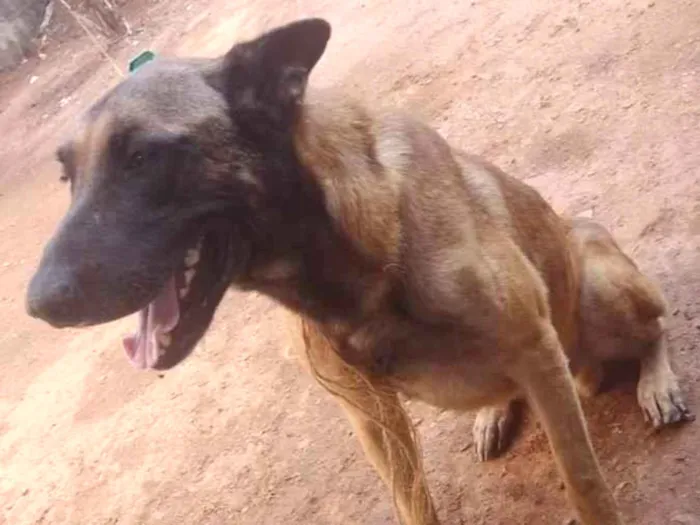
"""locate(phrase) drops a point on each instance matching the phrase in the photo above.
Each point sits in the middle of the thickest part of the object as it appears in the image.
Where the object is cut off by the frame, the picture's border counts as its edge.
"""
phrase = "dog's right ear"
(273, 69)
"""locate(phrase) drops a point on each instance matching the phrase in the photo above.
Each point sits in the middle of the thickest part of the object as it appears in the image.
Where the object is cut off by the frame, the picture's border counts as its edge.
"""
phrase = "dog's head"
(174, 176)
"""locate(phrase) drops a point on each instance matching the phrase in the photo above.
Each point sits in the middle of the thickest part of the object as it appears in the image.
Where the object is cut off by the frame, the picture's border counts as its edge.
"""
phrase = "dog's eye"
(136, 160)
(64, 155)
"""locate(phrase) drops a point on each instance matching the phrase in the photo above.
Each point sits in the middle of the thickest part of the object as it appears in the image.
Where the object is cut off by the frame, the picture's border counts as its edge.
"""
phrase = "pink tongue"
(159, 317)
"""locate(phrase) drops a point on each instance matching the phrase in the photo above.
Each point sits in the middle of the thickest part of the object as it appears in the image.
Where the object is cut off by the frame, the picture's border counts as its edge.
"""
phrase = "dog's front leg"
(541, 370)
(384, 429)
(380, 422)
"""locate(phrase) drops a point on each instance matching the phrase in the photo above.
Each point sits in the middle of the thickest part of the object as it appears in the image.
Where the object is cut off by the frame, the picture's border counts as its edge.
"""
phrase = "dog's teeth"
(189, 275)
(192, 257)
(164, 339)
(184, 291)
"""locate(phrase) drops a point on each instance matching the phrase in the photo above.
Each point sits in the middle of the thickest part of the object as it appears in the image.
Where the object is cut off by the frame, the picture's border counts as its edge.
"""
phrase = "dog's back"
(446, 221)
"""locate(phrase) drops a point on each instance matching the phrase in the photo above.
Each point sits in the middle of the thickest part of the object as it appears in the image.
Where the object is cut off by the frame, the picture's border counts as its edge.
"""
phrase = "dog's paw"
(588, 380)
(661, 401)
(493, 431)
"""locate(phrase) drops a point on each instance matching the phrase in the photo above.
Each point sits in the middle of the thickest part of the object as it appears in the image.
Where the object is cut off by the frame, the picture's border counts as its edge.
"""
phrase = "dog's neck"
(326, 260)
(336, 142)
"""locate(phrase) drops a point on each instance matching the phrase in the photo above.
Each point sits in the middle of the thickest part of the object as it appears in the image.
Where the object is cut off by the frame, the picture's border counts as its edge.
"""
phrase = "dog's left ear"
(274, 68)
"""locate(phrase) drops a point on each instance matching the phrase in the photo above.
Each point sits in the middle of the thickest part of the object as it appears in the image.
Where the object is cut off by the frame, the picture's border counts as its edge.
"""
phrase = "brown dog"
(415, 269)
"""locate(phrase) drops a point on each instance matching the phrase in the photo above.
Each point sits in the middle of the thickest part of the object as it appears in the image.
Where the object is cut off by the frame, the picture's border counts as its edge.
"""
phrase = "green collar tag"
(140, 60)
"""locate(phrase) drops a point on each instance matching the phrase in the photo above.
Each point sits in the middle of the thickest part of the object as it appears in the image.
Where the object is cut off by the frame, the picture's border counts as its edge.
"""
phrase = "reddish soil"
(597, 104)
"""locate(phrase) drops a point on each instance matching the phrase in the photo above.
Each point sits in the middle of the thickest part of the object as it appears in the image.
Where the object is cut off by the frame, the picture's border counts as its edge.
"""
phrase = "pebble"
(684, 519)
(622, 486)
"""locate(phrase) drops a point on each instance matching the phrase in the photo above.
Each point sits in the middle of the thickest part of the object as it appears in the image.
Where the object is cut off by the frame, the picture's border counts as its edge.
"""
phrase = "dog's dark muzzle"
(81, 291)
(94, 272)
(55, 296)
(60, 291)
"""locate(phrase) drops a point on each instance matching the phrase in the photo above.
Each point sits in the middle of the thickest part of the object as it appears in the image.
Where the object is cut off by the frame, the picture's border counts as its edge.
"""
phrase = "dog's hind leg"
(658, 392)
(493, 430)
(622, 313)
(544, 377)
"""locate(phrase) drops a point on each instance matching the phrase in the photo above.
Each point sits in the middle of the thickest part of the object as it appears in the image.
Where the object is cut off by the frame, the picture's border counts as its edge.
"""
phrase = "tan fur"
(500, 294)
(90, 145)
(344, 142)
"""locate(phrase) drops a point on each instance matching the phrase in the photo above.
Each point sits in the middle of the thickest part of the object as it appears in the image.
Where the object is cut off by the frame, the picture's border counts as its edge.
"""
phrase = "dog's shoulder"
(371, 162)
(356, 156)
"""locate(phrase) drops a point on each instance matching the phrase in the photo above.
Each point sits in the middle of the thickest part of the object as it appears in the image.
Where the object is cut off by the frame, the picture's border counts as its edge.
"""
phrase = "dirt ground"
(596, 104)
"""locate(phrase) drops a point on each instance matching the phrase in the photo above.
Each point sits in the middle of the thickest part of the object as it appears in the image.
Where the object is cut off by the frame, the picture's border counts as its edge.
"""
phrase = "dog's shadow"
(619, 375)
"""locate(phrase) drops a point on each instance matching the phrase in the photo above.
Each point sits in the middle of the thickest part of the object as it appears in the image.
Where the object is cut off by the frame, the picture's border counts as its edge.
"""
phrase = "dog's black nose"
(53, 296)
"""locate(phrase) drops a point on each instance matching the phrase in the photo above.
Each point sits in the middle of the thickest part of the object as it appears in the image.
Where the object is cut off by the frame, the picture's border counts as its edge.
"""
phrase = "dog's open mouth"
(156, 323)
(173, 322)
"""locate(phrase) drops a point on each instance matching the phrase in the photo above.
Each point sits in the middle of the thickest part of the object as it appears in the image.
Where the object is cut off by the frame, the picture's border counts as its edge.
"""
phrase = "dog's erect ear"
(277, 64)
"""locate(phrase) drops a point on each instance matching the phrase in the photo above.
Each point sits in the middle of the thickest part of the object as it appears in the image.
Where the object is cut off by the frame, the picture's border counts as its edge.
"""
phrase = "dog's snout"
(54, 297)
